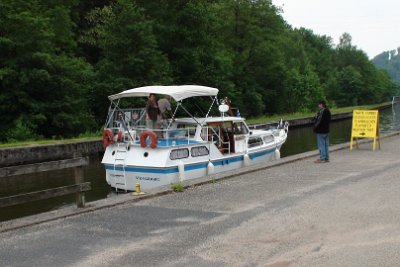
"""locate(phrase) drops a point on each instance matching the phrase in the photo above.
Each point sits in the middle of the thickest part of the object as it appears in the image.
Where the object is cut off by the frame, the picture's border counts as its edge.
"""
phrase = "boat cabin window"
(268, 139)
(240, 128)
(189, 129)
(254, 141)
(199, 151)
(181, 153)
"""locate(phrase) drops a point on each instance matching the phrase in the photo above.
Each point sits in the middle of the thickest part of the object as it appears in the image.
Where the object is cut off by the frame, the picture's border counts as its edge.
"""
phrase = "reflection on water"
(303, 139)
(299, 140)
(389, 119)
(94, 173)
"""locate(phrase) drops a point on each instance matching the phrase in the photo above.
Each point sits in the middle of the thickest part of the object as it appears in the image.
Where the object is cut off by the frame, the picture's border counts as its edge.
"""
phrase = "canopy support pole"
(110, 115)
(212, 104)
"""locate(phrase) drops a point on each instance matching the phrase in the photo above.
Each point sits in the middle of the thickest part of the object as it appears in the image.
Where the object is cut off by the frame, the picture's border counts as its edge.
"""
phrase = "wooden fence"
(79, 187)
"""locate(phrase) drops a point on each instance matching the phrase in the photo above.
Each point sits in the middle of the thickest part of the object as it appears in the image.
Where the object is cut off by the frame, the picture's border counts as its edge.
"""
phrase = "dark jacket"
(322, 121)
(152, 110)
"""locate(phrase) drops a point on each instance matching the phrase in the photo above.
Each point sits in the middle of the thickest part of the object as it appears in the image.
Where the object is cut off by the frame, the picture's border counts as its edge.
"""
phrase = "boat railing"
(165, 137)
(171, 137)
(129, 117)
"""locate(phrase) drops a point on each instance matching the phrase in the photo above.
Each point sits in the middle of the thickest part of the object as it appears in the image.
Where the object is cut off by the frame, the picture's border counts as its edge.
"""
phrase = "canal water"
(299, 140)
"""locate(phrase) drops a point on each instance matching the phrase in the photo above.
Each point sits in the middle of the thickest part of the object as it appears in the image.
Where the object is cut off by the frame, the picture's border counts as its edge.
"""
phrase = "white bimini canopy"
(177, 92)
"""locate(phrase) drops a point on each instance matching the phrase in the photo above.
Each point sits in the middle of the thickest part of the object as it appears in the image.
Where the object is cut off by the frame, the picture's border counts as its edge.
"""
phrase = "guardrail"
(133, 135)
(79, 187)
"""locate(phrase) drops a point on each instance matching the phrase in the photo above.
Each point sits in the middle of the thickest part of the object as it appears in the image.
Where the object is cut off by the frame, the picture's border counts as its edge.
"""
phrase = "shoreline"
(30, 154)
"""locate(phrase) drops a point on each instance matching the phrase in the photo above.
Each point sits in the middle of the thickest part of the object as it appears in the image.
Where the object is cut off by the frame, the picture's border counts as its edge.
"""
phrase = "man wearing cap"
(321, 128)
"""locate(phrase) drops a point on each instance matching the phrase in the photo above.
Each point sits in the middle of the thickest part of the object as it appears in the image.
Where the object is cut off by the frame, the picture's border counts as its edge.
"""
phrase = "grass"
(177, 187)
(95, 136)
(299, 115)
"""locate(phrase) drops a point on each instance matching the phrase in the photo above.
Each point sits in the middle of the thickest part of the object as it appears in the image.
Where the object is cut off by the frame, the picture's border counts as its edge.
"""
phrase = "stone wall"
(42, 153)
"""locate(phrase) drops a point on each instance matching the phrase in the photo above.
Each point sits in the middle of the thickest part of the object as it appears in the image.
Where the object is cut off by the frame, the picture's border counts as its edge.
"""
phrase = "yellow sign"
(365, 125)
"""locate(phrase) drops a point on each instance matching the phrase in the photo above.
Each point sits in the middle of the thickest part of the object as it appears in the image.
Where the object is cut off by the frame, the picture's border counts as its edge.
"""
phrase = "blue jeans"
(323, 146)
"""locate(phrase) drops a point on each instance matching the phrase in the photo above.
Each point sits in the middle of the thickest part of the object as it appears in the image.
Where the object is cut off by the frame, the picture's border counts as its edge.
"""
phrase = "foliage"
(389, 61)
(43, 87)
(177, 187)
(59, 60)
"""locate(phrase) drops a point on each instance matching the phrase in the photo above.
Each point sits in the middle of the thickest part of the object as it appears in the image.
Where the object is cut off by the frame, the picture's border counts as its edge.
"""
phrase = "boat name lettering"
(116, 175)
(142, 178)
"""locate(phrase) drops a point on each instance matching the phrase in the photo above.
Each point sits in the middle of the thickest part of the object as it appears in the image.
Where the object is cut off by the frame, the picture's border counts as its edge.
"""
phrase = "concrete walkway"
(342, 213)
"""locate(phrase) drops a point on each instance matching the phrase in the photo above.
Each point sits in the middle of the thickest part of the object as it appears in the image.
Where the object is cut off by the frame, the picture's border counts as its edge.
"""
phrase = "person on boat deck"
(164, 104)
(152, 112)
(321, 128)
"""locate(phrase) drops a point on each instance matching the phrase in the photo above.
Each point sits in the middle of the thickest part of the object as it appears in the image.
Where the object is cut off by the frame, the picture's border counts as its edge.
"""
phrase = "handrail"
(132, 135)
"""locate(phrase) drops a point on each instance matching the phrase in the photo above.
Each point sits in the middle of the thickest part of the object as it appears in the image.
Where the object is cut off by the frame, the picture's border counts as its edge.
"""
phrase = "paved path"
(342, 213)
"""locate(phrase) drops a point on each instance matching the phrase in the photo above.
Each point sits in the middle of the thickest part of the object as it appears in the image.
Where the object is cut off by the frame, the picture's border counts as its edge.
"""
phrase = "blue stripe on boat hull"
(174, 169)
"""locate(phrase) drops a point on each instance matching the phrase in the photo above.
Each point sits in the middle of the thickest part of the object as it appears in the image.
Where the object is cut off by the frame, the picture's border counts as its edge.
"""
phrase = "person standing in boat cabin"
(152, 112)
(164, 104)
(321, 128)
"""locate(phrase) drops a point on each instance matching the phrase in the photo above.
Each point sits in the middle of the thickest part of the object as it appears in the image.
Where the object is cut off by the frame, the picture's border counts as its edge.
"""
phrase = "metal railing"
(166, 137)
(131, 117)
(172, 136)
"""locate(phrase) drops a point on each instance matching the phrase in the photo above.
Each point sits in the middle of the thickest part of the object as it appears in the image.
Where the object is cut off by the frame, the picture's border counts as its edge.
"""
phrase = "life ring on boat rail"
(108, 138)
(153, 139)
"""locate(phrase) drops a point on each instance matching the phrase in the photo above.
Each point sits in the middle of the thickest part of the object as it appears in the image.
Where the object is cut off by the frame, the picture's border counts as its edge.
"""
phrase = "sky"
(373, 25)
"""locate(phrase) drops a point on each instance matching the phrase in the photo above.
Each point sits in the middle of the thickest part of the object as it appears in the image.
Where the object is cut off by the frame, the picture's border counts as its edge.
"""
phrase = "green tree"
(350, 87)
(251, 32)
(302, 90)
(356, 69)
(43, 87)
(129, 53)
(389, 61)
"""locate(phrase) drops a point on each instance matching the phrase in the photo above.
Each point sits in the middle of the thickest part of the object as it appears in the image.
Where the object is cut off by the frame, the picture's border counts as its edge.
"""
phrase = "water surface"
(299, 140)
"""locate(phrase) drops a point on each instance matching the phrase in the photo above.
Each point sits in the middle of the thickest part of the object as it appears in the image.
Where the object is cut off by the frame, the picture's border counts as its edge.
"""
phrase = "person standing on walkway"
(321, 128)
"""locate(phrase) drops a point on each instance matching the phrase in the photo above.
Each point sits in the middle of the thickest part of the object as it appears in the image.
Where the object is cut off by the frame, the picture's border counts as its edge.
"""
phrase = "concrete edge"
(71, 211)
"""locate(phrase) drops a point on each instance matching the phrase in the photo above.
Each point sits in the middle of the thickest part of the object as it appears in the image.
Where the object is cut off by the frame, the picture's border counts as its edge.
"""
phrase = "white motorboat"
(184, 148)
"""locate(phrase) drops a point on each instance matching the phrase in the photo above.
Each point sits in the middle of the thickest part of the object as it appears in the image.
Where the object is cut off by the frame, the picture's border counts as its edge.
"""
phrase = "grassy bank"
(97, 136)
(300, 115)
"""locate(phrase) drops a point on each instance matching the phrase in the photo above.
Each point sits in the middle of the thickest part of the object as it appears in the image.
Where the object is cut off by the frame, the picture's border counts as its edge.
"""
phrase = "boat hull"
(126, 178)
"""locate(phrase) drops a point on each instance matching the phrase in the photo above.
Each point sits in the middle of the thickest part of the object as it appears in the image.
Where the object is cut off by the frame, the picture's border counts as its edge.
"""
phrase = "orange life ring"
(119, 136)
(153, 139)
(108, 138)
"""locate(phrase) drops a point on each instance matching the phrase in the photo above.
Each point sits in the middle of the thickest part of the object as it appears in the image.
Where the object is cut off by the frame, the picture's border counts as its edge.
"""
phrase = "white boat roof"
(177, 92)
(209, 120)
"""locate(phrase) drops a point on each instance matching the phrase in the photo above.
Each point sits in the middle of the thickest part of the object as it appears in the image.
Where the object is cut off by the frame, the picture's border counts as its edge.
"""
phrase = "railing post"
(78, 175)
(80, 196)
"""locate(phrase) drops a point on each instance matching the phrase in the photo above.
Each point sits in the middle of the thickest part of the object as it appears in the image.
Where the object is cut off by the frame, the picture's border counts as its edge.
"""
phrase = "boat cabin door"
(221, 134)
